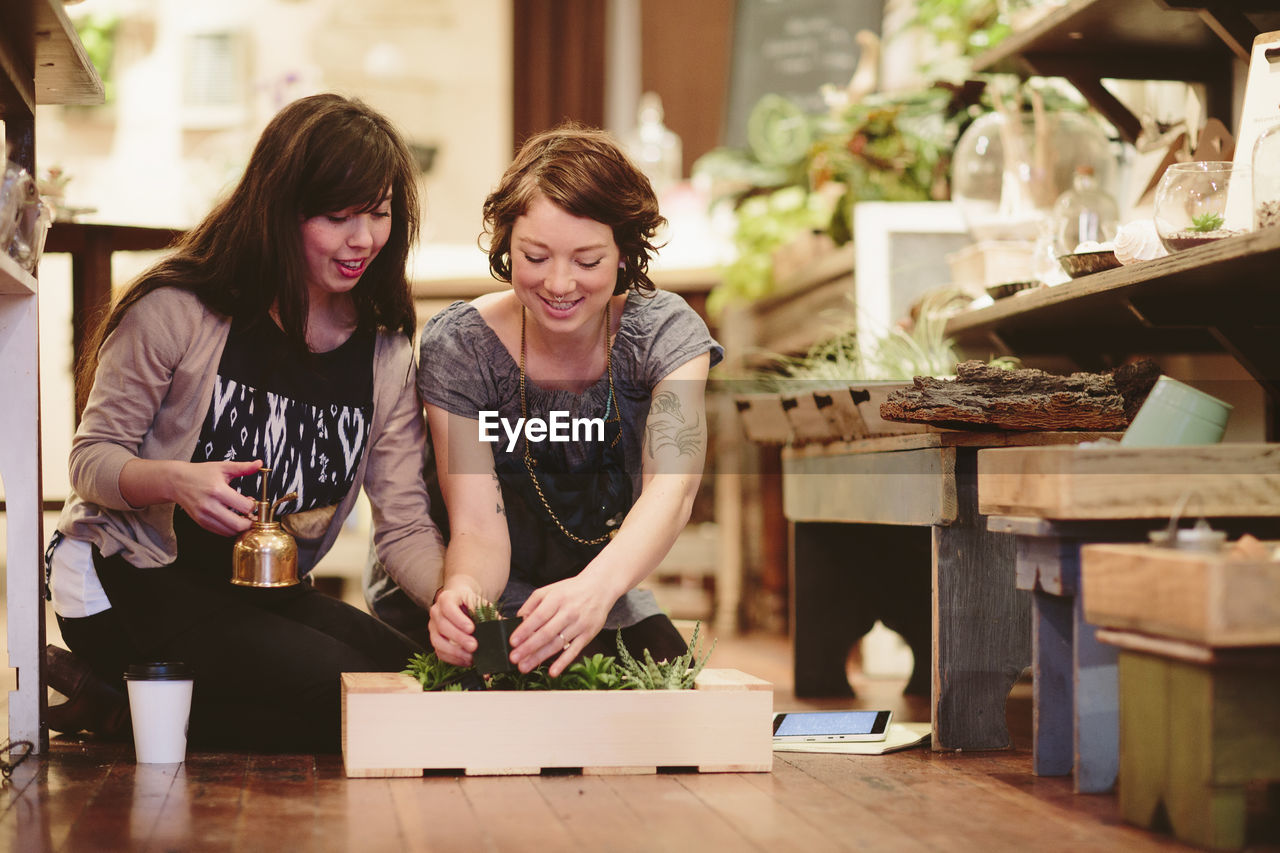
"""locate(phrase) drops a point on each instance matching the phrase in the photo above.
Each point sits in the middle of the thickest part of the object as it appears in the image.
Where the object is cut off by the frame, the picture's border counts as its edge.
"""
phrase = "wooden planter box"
(391, 727)
(1211, 599)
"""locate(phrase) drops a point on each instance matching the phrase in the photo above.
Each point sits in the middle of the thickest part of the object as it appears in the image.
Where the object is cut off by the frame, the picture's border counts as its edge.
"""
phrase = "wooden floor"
(85, 795)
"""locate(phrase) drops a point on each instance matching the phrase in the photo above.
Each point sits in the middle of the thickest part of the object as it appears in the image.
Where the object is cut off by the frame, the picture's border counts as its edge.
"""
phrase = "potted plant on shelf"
(833, 392)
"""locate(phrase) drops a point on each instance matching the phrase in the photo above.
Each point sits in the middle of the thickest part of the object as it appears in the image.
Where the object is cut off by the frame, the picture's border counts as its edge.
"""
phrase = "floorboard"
(89, 795)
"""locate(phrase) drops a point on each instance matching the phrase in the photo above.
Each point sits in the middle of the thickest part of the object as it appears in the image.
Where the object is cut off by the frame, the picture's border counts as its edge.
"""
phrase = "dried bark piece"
(982, 397)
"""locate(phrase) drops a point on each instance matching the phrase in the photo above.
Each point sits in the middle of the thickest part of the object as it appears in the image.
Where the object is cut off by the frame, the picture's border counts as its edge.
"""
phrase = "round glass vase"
(1266, 178)
(1084, 216)
(1007, 170)
(1200, 202)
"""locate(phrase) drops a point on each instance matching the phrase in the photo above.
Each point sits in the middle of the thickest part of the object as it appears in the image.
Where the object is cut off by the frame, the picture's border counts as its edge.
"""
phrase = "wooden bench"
(879, 526)
(1054, 500)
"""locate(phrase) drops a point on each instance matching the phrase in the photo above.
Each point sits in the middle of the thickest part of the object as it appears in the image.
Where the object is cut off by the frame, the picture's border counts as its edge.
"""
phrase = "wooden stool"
(1199, 669)
(1197, 725)
(1075, 721)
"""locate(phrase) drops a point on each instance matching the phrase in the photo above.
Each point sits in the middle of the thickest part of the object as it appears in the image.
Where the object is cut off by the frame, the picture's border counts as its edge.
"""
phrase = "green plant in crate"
(676, 674)
(596, 672)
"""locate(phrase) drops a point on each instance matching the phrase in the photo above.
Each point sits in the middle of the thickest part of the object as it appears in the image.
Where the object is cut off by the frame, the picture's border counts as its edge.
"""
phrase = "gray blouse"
(465, 370)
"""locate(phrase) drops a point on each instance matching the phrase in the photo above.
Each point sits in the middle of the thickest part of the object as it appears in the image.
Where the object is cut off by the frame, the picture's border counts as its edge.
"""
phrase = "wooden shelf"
(1208, 299)
(14, 280)
(57, 72)
(41, 62)
(63, 72)
(1088, 40)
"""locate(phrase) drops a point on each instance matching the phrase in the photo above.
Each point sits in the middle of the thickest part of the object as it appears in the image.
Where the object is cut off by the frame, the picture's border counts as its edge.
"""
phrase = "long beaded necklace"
(611, 404)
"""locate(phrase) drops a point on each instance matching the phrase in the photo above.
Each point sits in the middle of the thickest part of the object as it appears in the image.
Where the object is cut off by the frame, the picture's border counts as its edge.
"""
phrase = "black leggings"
(656, 634)
(267, 662)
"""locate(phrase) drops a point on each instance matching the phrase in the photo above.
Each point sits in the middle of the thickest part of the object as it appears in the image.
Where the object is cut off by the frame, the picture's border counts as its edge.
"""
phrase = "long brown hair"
(583, 171)
(319, 154)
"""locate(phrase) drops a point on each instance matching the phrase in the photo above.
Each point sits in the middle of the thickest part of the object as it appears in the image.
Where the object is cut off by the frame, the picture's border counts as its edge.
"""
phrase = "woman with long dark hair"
(278, 335)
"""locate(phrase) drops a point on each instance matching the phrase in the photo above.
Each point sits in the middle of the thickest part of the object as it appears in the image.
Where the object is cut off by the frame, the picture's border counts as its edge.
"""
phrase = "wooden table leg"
(982, 636)
(1097, 708)
(1053, 690)
(1076, 724)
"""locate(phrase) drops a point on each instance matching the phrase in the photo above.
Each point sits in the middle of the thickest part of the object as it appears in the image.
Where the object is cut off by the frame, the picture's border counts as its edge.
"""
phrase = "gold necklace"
(530, 462)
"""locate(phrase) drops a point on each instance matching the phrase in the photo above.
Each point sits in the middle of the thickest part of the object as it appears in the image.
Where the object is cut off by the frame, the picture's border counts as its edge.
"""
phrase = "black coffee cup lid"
(158, 671)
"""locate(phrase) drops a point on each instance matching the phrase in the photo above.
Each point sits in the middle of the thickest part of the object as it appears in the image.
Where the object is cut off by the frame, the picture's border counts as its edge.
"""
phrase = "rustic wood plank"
(1054, 685)
(1193, 737)
(279, 800)
(510, 813)
(982, 624)
(852, 823)
(1211, 599)
(1096, 724)
(936, 437)
(64, 74)
(124, 809)
(770, 825)
(1130, 482)
(594, 815)
(214, 799)
(433, 814)
(763, 418)
(915, 487)
(46, 796)
(675, 819)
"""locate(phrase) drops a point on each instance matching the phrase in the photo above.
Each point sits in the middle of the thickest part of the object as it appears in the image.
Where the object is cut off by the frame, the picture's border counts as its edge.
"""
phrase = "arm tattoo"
(502, 510)
(667, 427)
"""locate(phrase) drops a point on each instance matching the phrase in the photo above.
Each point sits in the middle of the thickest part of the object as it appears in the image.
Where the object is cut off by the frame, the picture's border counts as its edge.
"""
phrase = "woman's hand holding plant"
(451, 626)
(560, 619)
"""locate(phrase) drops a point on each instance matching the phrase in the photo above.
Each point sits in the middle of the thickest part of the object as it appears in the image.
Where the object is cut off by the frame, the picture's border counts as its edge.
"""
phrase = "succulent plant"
(1209, 221)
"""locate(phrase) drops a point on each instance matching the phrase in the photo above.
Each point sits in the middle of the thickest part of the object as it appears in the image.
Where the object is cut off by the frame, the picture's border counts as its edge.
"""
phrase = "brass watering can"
(265, 555)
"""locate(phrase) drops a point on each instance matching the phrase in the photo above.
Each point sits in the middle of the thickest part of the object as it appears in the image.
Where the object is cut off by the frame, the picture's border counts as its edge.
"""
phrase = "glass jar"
(1201, 202)
(1007, 171)
(655, 148)
(1084, 214)
(1266, 178)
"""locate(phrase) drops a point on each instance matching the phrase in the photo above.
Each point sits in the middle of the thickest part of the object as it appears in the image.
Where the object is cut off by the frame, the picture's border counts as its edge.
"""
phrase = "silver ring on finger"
(565, 643)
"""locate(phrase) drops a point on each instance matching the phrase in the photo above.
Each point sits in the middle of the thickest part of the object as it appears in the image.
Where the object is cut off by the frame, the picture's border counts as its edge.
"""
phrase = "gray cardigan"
(152, 389)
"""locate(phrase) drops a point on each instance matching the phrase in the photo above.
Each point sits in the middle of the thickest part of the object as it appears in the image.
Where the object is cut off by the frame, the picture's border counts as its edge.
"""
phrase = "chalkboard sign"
(792, 47)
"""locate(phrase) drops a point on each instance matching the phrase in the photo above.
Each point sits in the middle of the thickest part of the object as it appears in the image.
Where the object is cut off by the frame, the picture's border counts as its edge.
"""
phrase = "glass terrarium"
(1266, 178)
(1008, 170)
(1202, 201)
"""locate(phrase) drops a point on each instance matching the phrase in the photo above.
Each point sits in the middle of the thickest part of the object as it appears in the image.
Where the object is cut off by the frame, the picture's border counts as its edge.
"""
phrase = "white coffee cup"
(160, 704)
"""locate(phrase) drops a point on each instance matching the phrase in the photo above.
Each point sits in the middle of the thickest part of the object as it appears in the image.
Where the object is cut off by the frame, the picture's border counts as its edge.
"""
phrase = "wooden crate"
(1210, 599)
(391, 727)
(1130, 482)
